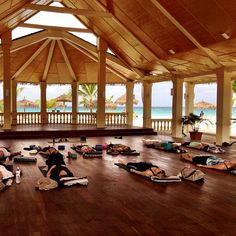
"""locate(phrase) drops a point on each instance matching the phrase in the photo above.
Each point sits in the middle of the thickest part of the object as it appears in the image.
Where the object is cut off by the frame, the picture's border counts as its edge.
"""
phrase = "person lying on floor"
(203, 146)
(115, 149)
(54, 158)
(58, 171)
(84, 148)
(64, 177)
(145, 168)
(164, 145)
(210, 161)
(6, 152)
(5, 174)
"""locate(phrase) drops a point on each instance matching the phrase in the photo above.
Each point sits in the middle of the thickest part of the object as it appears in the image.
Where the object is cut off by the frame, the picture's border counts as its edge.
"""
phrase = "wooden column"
(6, 44)
(74, 89)
(14, 102)
(43, 100)
(189, 98)
(224, 106)
(102, 48)
(147, 105)
(177, 104)
(130, 102)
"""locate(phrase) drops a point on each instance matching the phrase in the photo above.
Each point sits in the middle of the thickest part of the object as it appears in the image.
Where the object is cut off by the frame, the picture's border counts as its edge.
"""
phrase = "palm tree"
(88, 92)
(19, 90)
(234, 92)
(51, 103)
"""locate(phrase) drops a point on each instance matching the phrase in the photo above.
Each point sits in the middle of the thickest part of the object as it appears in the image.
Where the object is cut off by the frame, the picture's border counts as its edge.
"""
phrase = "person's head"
(1, 153)
(186, 156)
(52, 150)
(157, 171)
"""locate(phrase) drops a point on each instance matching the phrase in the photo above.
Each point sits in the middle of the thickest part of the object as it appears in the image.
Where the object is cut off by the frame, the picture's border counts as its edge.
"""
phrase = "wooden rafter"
(135, 70)
(26, 41)
(47, 27)
(162, 62)
(27, 63)
(207, 51)
(48, 62)
(82, 12)
(95, 58)
(70, 68)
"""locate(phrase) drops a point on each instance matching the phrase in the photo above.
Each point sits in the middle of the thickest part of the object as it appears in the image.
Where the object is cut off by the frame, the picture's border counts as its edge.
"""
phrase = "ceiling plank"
(27, 63)
(47, 27)
(207, 51)
(24, 42)
(49, 59)
(82, 12)
(162, 62)
(70, 68)
(95, 58)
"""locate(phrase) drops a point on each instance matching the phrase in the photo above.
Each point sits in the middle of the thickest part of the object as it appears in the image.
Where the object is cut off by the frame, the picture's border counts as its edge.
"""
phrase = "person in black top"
(54, 158)
(210, 161)
(145, 169)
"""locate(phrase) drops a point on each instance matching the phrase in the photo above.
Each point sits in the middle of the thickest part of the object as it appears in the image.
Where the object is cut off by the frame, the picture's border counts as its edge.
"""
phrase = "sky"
(161, 92)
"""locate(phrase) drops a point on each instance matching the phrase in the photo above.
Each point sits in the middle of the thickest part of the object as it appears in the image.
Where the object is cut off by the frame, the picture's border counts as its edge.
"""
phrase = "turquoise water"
(157, 112)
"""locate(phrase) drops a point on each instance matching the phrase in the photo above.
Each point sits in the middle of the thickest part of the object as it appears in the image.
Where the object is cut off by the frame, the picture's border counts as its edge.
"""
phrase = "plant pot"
(196, 136)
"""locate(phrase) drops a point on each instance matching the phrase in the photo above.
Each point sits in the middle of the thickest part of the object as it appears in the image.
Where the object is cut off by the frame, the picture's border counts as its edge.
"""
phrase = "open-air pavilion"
(193, 50)
(186, 42)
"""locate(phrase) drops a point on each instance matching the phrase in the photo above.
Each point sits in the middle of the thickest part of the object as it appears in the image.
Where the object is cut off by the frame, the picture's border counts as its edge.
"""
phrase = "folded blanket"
(69, 181)
(24, 159)
(156, 179)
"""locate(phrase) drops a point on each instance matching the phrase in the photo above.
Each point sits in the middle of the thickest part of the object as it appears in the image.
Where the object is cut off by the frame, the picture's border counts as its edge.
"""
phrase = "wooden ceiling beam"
(91, 48)
(95, 58)
(117, 21)
(49, 59)
(207, 51)
(81, 12)
(70, 68)
(27, 63)
(24, 42)
(59, 28)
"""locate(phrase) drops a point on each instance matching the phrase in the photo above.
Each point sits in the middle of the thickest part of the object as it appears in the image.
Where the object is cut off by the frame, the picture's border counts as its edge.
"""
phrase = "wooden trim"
(47, 27)
(82, 12)
(38, 51)
(70, 68)
(49, 59)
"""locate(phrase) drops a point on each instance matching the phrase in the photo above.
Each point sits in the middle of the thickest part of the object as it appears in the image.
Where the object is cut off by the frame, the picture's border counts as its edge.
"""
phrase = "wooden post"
(130, 102)
(43, 89)
(74, 89)
(14, 102)
(177, 96)
(147, 104)
(6, 44)
(189, 97)
(102, 48)
(224, 106)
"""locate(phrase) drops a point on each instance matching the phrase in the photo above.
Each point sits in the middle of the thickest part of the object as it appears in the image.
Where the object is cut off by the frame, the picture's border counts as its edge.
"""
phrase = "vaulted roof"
(152, 40)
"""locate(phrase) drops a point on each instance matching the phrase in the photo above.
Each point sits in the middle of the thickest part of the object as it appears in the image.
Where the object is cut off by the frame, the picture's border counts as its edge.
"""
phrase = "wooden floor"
(117, 202)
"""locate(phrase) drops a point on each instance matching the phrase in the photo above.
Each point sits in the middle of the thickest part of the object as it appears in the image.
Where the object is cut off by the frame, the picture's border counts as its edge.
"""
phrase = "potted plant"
(195, 121)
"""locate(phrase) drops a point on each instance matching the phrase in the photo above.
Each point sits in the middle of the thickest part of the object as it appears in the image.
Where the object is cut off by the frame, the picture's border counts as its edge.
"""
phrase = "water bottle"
(17, 175)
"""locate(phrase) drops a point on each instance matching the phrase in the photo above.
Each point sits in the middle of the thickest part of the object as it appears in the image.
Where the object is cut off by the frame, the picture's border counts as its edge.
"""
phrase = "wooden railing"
(24, 118)
(59, 118)
(83, 118)
(116, 119)
(86, 118)
(162, 125)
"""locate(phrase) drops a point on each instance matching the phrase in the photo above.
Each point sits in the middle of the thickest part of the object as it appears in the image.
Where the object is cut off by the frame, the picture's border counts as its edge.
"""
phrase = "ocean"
(157, 112)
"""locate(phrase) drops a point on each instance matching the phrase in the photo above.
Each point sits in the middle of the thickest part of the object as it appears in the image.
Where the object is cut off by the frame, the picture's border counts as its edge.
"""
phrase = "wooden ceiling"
(153, 40)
